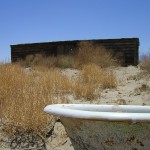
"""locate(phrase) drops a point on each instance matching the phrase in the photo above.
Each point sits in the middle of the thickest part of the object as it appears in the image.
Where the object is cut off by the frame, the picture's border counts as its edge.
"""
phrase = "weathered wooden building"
(125, 48)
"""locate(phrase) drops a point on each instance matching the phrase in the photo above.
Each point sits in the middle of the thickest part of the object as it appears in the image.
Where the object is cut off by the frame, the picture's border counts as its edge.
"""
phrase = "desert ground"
(133, 88)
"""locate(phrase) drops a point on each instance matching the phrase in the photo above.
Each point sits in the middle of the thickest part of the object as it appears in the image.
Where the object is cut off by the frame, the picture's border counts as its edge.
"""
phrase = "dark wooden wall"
(126, 49)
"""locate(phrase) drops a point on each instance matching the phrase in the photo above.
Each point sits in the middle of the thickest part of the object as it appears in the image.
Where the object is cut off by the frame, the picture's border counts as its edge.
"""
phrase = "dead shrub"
(65, 61)
(91, 80)
(108, 80)
(23, 97)
(39, 61)
(87, 91)
(87, 52)
(145, 63)
(93, 53)
(94, 74)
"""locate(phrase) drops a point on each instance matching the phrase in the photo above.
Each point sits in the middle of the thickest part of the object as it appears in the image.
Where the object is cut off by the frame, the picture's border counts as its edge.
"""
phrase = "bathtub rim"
(132, 113)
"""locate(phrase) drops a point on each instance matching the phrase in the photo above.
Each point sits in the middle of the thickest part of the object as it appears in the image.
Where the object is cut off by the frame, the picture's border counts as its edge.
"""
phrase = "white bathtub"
(105, 127)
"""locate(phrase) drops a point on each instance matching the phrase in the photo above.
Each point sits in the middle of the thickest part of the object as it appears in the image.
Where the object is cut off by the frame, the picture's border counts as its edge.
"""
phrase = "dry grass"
(65, 61)
(25, 93)
(92, 53)
(98, 76)
(23, 96)
(145, 64)
(38, 61)
(88, 52)
(91, 79)
(88, 91)
(42, 63)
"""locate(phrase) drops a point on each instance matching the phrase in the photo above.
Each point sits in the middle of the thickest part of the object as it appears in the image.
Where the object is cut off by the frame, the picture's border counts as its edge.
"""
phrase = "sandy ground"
(133, 88)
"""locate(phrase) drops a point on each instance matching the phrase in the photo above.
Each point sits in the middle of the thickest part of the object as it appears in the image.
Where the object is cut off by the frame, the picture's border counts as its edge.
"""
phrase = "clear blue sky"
(27, 21)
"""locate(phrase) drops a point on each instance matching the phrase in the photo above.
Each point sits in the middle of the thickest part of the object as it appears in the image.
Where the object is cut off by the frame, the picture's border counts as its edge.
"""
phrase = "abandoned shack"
(125, 48)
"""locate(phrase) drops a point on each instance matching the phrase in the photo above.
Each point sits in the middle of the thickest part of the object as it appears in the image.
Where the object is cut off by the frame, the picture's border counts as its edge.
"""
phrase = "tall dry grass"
(65, 61)
(93, 73)
(145, 63)
(87, 52)
(23, 96)
(24, 93)
(38, 62)
(42, 63)
(92, 80)
(93, 53)
(87, 91)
